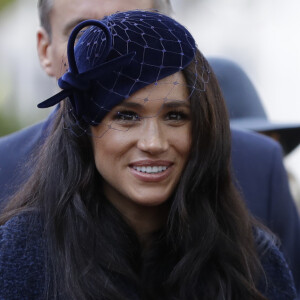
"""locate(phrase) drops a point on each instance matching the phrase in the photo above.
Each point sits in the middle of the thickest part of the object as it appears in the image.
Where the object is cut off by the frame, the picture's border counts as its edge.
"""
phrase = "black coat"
(22, 265)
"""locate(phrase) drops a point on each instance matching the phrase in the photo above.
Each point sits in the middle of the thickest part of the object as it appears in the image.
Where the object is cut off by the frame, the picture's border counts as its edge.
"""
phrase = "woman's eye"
(127, 116)
(176, 116)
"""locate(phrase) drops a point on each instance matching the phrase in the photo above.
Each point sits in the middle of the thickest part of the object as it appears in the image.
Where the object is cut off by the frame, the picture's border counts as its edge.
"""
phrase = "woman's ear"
(43, 49)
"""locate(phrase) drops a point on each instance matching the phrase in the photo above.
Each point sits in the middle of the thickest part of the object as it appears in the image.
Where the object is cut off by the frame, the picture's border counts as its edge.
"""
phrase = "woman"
(131, 197)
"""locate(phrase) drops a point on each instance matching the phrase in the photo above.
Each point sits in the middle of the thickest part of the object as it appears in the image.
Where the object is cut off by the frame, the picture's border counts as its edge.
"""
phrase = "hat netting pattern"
(111, 59)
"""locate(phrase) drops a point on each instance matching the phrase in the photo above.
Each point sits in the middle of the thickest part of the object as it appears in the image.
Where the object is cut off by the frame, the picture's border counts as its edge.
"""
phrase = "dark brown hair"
(206, 250)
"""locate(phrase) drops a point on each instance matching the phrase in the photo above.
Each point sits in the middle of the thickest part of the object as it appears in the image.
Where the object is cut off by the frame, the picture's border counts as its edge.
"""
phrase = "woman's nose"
(152, 138)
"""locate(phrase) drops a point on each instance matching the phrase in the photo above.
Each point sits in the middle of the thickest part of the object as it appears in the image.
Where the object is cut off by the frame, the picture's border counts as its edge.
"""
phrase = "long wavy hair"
(205, 250)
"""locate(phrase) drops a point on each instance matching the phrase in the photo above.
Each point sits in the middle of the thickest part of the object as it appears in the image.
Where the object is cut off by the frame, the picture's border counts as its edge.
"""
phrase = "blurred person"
(245, 107)
(246, 112)
(131, 196)
(257, 161)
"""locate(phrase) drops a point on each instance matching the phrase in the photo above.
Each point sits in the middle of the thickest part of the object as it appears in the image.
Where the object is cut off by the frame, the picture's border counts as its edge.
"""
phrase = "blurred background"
(262, 36)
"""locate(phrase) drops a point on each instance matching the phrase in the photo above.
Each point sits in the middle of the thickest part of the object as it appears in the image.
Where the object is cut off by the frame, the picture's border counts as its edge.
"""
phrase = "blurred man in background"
(246, 112)
(257, 161)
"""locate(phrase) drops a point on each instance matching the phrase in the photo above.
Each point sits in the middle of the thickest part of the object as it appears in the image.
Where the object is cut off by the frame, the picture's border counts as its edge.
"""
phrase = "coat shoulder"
(21, 257)
(277, 282)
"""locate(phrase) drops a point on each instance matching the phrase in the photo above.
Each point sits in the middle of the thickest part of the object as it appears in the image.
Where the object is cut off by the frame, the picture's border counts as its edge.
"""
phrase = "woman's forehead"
(171, 88)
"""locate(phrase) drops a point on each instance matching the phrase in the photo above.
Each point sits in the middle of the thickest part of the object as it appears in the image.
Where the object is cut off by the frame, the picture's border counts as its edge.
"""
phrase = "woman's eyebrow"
(167, 104)
(176, 104)
(130, 105)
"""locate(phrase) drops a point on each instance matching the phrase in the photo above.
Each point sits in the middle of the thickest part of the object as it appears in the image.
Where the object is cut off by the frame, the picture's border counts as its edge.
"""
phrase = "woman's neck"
(147, 221)
(144, 220)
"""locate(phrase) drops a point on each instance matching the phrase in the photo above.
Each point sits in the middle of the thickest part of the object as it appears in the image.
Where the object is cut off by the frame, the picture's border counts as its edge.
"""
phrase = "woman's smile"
(151, 170)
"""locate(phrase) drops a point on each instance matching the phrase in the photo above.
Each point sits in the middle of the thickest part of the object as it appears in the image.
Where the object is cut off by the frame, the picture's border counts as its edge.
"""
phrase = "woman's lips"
(151, 171)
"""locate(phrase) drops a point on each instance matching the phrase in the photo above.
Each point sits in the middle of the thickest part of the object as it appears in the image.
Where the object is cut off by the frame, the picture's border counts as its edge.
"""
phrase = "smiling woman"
(132, 196)
(148, 146)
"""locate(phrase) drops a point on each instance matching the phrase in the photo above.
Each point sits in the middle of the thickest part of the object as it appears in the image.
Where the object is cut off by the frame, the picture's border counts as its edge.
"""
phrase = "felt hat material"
(111, 59)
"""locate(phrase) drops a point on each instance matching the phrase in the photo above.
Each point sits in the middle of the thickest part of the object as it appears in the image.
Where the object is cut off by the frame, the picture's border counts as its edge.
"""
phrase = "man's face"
(64, 16)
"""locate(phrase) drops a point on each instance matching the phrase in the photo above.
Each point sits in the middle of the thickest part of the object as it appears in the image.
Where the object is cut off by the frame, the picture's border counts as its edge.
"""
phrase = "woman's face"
(142, 145)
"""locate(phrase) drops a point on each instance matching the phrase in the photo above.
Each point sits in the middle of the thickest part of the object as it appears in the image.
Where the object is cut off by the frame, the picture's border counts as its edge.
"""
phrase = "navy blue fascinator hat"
(111, 59)
(245, 106)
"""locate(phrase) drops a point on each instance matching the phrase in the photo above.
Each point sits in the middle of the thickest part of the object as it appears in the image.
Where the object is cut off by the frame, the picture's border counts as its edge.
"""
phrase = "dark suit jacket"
(262, 179)
(257, 164)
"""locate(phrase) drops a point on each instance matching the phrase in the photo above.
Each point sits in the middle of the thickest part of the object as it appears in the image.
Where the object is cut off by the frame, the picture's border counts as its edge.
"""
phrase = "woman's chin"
(150, 200)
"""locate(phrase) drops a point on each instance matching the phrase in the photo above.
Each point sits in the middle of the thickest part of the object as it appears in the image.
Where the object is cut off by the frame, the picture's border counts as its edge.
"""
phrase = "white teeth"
(150, 170)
